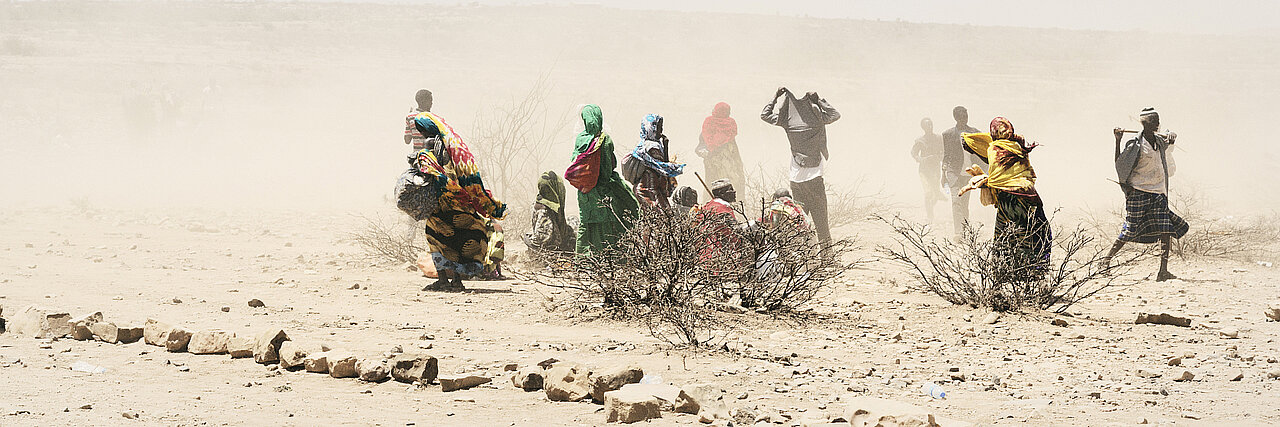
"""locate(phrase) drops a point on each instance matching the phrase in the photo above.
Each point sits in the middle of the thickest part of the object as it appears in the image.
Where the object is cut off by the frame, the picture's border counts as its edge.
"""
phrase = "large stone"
(177, 339)
(209, 341)
(414, 368)
(316, 362)
(266, 349)
(869, 411)
(566, 382)
(630, 405)
(1273, 312)
(613, 379)
(80, 326)
(528, 379)
(373, 370)
(128, 333)
(293, 354)
(1162, 319)
(106, 332)
(240, 347)
(452, 383)
(40, 323)
(155, 332)
(667, 394)
(342, 364)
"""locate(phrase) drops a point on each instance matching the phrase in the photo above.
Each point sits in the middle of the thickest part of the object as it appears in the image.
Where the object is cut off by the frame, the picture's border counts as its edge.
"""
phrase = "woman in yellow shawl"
(1022, 235)
(456, 230)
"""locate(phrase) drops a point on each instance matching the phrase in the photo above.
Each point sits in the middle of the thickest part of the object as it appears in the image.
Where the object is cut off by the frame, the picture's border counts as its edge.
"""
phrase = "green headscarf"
(551, 192)
(593, 123)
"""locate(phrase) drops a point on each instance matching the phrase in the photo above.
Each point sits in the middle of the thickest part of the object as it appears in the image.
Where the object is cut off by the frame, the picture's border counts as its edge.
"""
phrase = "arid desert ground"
(174, 161)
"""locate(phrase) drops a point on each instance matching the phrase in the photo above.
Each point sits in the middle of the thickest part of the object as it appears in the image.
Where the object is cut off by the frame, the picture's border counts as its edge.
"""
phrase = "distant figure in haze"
(606, 205)
(718, 146)
(954, 161)
(928, 154)
(1143, 168)
(805, 120)
(649, 168)
(458, 234)
(551, 232)
(412, 137)
(1023, 238)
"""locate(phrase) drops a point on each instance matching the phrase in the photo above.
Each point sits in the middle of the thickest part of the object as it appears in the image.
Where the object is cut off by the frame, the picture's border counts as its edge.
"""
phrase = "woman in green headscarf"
(606, 204)
(551, 231)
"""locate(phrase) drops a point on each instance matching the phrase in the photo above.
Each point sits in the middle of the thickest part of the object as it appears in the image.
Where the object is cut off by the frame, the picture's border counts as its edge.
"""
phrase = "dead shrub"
(684, 277)
(395, 238)
(980, 273)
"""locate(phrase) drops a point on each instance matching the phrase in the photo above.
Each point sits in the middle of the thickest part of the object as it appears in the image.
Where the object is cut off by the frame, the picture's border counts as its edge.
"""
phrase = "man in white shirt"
(1143, 168)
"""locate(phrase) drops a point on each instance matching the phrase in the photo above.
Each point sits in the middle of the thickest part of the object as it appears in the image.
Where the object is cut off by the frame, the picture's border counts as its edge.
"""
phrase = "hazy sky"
(1188, 16)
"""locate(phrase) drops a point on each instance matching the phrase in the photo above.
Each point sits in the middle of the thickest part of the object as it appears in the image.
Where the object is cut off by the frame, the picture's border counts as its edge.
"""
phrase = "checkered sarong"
(1147, 218)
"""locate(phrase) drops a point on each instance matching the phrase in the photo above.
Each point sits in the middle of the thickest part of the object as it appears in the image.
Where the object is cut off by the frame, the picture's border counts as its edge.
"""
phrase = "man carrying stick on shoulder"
(1143, 167)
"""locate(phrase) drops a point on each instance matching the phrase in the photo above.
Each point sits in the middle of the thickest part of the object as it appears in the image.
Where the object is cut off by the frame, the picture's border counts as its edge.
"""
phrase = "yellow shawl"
(1010, 169)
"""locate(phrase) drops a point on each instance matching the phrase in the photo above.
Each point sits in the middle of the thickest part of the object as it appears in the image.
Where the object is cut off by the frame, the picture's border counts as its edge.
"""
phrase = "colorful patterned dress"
(456, 232)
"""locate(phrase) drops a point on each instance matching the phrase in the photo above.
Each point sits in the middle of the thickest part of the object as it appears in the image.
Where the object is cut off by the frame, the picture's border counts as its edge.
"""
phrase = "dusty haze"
(307, 101)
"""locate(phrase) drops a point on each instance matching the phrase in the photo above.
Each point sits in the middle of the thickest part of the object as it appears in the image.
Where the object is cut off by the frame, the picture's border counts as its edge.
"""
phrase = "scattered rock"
(316, 362)
(528, 379)
(567, 383)
(453, 383)
(40, 323)
(256, 303)
(80, 326)
(414, 368)
(266, 348)
(240, 347)
(373, 370)
(342, 364)
(668, 394)
(155, 332)
(991, 318)
(870, 411)
(1060, 322)
(1230, 333)
(1273, 374)
(293, 354)
(1147, 374)
(511, 367)
(106, 332)
(613, 379)
(1183, 376)
(1176, 361)
(210, 341)
(629, 406)
(1162, 319)
(546, 364)
(1273, 312)
(1238, 376)
(177, 340)
(226, 309)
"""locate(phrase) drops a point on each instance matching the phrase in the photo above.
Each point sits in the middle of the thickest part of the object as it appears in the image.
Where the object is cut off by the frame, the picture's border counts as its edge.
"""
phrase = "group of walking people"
(461, 214)
(950, 167)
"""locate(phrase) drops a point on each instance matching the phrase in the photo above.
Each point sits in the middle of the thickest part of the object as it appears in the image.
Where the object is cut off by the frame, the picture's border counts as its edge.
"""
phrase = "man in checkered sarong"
(1143, 167)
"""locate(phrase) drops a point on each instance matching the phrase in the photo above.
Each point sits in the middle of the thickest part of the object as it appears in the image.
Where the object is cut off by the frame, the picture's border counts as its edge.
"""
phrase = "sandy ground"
(184, 267)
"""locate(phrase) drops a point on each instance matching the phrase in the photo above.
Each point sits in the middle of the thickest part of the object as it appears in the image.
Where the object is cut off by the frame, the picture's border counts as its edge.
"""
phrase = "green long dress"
(610, 208)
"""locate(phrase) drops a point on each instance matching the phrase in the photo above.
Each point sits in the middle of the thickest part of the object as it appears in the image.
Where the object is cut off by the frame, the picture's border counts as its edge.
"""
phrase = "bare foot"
(1165, 275)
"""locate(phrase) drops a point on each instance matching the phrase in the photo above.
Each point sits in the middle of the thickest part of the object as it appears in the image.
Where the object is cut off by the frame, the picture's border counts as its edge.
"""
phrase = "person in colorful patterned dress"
(457, 234)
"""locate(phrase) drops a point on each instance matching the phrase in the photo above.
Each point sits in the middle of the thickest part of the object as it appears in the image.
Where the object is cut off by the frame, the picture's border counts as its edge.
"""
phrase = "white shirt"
(1148, 173)
(803, 174)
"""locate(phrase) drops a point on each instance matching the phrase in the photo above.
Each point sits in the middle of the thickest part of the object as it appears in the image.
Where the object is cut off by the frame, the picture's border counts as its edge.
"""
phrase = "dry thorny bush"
(398, 238)
(1211, 235)
(983, 273)
(687, 279)
(847, 203)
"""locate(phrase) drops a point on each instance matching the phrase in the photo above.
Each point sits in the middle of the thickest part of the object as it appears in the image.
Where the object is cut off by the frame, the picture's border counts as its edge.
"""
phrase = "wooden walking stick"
(704, 184)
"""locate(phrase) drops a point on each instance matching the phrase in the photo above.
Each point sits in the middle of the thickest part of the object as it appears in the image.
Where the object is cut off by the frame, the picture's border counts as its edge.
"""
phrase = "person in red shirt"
(411, 135)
